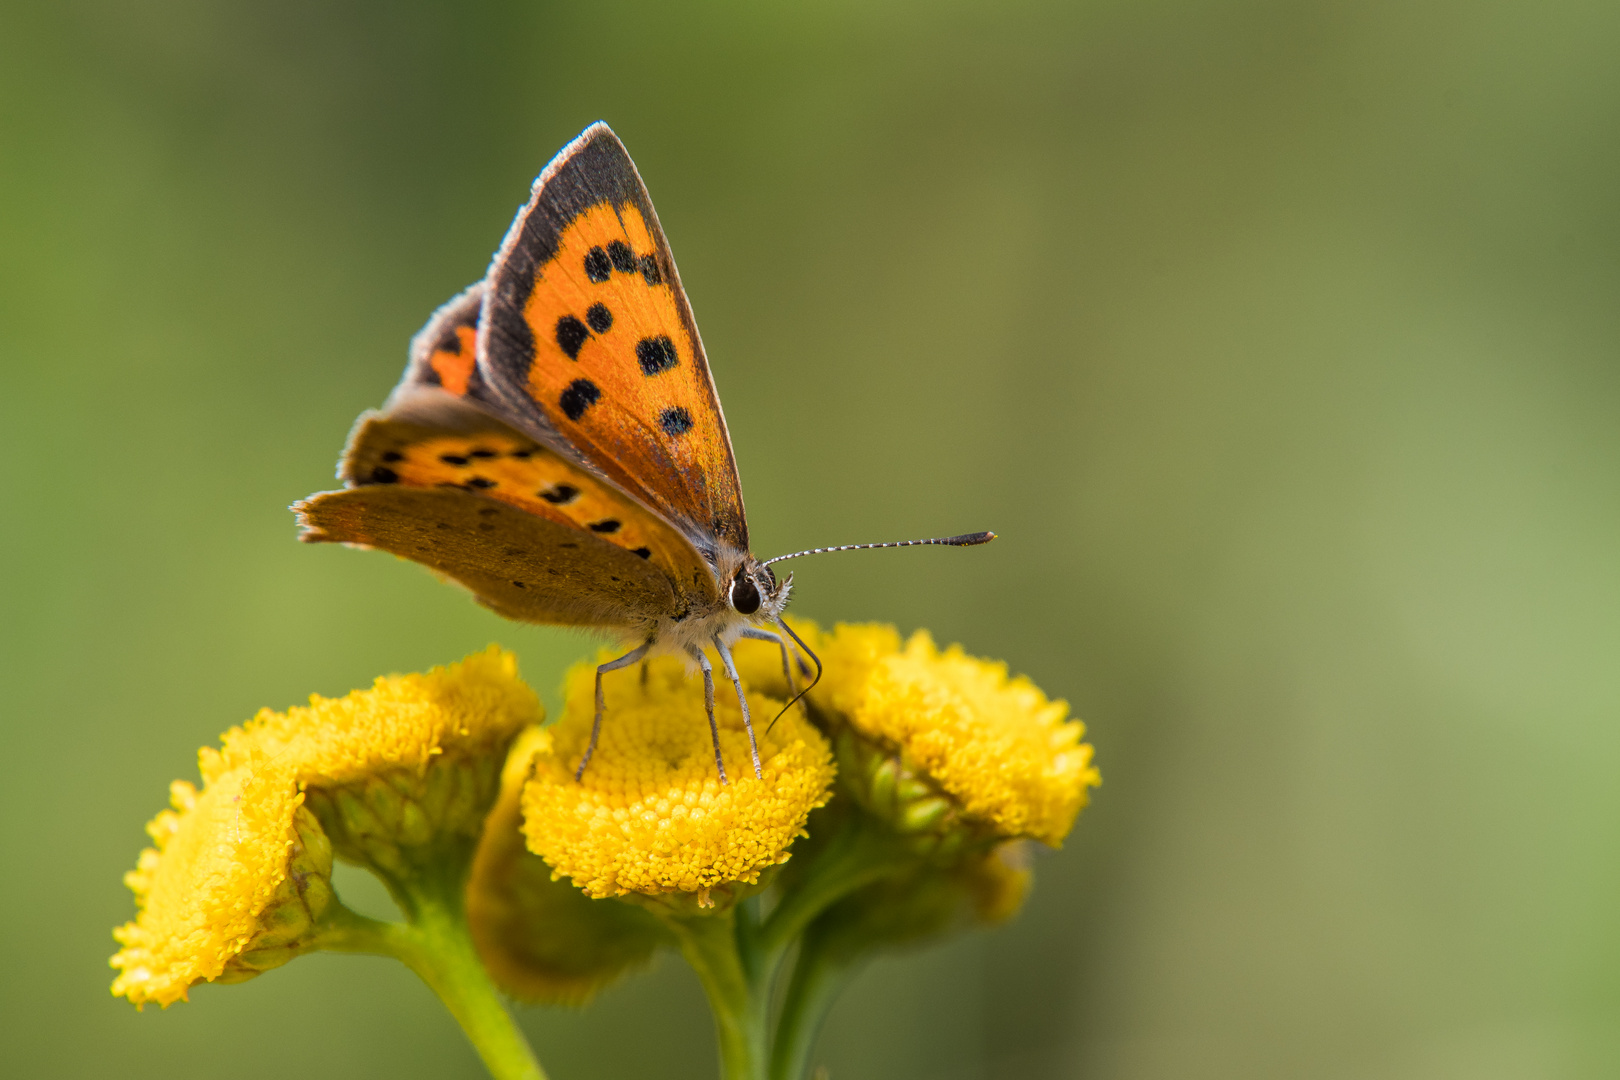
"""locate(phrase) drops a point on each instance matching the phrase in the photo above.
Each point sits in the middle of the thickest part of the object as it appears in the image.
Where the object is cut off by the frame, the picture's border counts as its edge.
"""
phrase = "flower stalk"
(720, 952)
(819, 976)
(740, 958)
(437, 945)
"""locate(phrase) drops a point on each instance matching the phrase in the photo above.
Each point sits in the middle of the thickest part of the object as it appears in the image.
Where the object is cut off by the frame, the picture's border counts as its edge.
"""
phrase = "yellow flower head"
(1007, 756)
(542, 939)
(242, 869)
(413, 760)
(650, 815)
(240, 874)
(404, 721)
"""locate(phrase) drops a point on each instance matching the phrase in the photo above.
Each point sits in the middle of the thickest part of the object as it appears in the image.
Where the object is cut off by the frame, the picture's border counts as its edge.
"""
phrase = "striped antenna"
(965, 540)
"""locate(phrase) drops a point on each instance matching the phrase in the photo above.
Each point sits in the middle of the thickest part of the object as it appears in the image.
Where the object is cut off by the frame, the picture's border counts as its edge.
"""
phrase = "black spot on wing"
(649, 270)
(482, 453)
(580, 395)
(382, 475)
(624, 260)
(481, 482)
(593, 170)
(452, 459)
(598, 267)
(393, 455)
(571, 335)
(645, 553)
(599, 317)
(675, 420)
(655, 354)
(560, 495)
(607, 527)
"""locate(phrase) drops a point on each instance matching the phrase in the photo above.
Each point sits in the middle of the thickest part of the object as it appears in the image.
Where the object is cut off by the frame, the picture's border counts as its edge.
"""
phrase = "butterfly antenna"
(800, 642)
(965, 540)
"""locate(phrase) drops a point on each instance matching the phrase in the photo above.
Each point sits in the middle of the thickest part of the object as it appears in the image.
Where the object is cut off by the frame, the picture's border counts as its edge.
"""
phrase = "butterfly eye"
(744, 594)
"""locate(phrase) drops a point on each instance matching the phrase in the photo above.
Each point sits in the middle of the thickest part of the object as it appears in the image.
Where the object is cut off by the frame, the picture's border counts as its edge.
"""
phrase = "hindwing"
(533, 535)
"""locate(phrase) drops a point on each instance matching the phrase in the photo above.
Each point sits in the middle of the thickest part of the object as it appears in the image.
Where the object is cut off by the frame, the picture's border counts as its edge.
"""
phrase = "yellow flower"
(404, 721)
(413, 760)
(1003, 753)
(650, 815)
(240, 874)
(542, 939)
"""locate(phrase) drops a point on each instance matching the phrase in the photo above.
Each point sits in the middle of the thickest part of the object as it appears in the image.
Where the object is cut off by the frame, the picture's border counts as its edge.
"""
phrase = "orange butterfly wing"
(588, 344)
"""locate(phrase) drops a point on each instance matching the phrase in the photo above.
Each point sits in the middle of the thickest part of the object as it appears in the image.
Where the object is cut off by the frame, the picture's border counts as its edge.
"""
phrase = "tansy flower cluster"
(895, 803)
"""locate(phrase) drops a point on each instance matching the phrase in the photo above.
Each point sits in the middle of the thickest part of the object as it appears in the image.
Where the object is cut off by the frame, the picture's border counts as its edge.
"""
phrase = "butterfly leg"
(742, 699)
(601, 705)
(708, 703)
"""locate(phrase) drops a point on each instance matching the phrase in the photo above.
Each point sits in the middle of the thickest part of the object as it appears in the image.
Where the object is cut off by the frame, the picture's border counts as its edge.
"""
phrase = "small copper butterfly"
(556, 444)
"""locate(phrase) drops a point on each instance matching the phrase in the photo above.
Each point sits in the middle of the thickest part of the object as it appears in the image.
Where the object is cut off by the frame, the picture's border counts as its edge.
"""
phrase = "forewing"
(588, 343)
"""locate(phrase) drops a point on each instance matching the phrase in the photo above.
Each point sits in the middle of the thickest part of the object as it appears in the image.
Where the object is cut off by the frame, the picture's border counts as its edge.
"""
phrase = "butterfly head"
(754, 590)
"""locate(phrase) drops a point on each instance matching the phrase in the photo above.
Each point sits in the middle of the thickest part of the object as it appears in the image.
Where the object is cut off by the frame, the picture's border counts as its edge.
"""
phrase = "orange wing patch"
(513, 469)
(453, 358)
(615, 371)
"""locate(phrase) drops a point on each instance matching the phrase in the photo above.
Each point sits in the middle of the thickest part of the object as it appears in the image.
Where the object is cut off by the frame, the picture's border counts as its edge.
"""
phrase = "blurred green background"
(1278, 340)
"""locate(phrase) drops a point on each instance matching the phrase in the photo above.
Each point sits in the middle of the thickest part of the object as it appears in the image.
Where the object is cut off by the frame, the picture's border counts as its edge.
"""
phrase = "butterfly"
(556, 444)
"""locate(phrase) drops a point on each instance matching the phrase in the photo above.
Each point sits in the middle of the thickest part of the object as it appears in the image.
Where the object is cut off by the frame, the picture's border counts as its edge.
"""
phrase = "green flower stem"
(437, 945)
(819, 976)
(737, 956)
(738, 996)
(857, 856)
